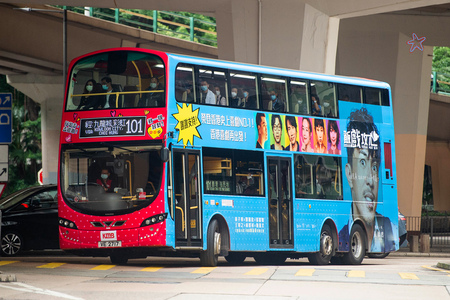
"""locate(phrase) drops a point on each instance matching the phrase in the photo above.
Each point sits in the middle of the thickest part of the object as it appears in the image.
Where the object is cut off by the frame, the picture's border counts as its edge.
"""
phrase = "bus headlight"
(67, 223)
(154, 219)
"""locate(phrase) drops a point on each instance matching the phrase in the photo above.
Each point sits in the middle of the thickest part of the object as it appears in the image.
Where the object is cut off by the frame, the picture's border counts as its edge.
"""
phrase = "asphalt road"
(50, 275)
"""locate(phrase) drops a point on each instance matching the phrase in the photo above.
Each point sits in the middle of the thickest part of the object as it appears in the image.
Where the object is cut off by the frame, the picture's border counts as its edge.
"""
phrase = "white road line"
(18, 286)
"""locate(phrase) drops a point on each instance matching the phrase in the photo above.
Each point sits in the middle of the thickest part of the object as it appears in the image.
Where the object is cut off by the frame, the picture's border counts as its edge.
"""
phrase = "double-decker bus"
(170, 155)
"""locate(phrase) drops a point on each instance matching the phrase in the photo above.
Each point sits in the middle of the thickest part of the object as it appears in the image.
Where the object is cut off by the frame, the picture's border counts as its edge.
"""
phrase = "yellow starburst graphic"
(187, 124)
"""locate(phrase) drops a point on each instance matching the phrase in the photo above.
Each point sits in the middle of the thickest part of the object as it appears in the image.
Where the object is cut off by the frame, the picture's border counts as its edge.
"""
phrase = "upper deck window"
(118, 79)
(323, 99)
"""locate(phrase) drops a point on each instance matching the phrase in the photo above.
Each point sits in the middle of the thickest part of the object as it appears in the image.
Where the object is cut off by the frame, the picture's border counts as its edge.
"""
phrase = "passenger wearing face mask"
(156, 96)
(206, 95)
(277, 104)
(235, 101)
(89, 99)
(298, 100)
(109, 100)
(105, 181)
(220, 100)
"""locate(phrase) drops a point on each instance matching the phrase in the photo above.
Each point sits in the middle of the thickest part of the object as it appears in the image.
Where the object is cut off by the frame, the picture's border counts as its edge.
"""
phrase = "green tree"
(25, 150)
(441, 65)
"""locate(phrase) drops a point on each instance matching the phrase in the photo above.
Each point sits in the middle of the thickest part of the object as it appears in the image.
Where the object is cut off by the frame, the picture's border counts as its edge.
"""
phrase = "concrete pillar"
(425, 243)
(293, 35)
(376, 47)
(412, 98)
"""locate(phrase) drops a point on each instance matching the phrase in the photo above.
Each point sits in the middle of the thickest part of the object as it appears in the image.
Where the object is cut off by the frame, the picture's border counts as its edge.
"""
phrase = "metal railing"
(159, 22)
(440, 83)
(438, 227)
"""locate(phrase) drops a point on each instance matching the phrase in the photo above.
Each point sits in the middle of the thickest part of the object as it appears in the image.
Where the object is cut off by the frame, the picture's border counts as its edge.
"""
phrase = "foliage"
(25, 150)
(441, 64)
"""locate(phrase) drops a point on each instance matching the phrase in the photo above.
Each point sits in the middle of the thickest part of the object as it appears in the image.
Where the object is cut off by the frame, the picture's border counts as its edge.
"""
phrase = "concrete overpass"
(357, 38)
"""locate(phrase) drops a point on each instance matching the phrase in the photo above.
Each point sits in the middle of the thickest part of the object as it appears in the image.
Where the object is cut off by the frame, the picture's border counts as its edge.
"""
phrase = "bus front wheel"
(357, 246)
(323, 257)
(210, 256)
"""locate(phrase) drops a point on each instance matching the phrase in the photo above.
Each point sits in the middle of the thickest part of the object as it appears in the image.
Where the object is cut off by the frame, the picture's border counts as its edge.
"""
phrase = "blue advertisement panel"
(363, 144)
(5, 118)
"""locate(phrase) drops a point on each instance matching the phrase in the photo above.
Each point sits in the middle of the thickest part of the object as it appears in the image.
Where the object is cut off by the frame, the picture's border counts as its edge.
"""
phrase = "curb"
(420, 254)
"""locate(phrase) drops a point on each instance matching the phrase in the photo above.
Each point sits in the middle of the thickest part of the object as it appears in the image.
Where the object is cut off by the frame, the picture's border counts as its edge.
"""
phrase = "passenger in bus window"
(298, 102)
(291, 129)
(249, 101)
(333, 138)
(316, 109)
(277, 104)
(319, 129)
(154, 98)
(109, 100)
(244, 100)
(277, 130)
(328, 106)
(188, 95)
(89, 101)
(362, 172)
(261, 125)
(235, 101)
(106, 181)
(206, 95)
(220, 100)
(241, 185)
(306, 135)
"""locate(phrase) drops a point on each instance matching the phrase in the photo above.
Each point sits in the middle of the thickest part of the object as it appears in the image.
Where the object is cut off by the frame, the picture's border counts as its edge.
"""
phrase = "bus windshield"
(118, 79)
(105, 179)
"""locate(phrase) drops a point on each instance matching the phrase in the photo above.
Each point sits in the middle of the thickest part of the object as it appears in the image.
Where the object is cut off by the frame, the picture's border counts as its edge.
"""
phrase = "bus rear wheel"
(325, 253)
(357, 246)
(210, 256)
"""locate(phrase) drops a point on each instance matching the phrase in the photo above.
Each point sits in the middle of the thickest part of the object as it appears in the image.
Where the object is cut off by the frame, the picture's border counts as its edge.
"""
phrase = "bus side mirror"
(165, 153)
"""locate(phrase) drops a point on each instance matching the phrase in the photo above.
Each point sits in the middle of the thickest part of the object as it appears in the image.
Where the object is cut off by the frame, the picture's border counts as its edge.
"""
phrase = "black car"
(29, 220)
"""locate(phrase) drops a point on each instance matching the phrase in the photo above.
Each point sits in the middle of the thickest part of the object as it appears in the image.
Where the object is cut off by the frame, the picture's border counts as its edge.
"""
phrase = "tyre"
(357, 246)
(235, 258)
(270, 258)
(12, 244)
(378, 255)
(210, 256)
(325, 253)
(118, 259)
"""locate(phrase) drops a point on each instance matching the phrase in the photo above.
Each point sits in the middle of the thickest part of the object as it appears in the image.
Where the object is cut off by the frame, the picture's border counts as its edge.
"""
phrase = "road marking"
(19, 286)
(204, 270)
(7, 262)
(411, 276)
(103, 267)
(51, 265)
(435, 269)
(151, 269)
(305, 272)
(257, 271)
(354, 273)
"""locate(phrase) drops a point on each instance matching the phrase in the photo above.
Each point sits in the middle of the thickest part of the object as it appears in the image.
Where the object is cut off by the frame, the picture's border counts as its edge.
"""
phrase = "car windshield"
(110, 178)
(16, 197)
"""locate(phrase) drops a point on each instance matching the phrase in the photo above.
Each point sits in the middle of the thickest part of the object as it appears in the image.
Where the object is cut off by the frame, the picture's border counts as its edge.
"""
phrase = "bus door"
(280, 202)
(188, 222)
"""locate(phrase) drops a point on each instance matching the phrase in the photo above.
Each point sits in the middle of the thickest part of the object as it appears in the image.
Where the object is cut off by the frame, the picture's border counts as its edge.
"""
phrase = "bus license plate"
(110, 244)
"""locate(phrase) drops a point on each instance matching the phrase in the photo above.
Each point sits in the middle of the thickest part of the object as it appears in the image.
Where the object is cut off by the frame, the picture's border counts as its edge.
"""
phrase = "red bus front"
(111, 176)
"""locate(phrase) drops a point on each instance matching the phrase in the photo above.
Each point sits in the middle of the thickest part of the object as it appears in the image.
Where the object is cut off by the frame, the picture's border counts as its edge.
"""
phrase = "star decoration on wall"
(416, 43)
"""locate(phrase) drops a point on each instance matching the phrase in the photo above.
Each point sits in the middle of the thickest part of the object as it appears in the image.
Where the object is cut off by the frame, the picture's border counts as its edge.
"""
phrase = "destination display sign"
(108, 127)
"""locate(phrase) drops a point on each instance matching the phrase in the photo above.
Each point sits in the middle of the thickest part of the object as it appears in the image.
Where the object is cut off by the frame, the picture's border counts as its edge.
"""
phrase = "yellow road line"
(151, 269)
(51, 265)
(204, 270)
(305, 272)
(435, 269)
(354, 273)
(411, 276)
(7, 262)
(257, 271)
(103, 267)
